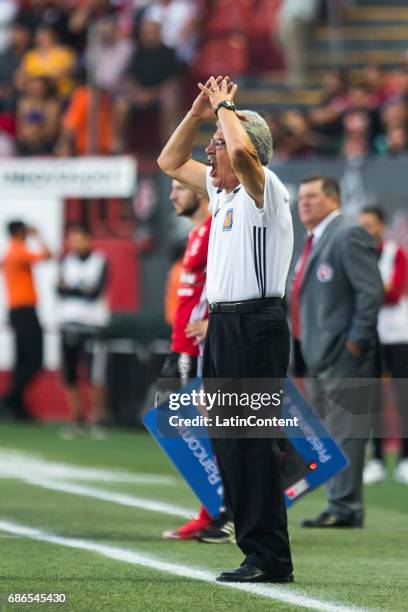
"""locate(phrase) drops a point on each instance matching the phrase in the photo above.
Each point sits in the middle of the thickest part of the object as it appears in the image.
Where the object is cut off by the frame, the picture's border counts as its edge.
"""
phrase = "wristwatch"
(224, 104)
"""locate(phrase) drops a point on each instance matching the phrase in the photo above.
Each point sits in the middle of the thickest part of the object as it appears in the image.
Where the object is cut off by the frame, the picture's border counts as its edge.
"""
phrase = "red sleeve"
(197, 251)
(395, 290)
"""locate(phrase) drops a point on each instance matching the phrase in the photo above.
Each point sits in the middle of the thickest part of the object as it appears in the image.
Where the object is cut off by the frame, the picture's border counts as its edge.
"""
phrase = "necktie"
(296, 286)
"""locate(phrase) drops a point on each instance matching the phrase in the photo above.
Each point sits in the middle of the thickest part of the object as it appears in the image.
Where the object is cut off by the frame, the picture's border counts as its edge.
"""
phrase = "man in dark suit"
(336, 294)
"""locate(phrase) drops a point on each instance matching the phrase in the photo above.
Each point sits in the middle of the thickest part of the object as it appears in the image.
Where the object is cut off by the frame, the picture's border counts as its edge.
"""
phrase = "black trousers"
(29, 355)
(252, 345)
(394, 358)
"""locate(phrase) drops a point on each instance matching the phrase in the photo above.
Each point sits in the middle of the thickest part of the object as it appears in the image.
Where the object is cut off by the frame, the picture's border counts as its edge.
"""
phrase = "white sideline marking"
(15, 464)
(122, 499)
(283, 594)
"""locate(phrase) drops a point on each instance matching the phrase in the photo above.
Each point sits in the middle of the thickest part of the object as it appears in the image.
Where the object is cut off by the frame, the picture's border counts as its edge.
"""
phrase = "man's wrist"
(195, 116)
(224, 104)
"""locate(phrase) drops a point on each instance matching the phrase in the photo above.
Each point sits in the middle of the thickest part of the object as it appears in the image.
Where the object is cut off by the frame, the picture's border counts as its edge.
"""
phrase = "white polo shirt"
(250, 249)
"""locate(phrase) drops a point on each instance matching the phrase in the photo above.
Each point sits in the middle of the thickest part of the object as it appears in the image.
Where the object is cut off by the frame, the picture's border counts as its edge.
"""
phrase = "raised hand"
(217, 91)
(201, 105)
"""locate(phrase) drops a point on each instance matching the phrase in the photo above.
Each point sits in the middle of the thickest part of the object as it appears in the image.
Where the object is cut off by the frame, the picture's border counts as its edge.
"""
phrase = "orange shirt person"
(76, 138)
(21, 301)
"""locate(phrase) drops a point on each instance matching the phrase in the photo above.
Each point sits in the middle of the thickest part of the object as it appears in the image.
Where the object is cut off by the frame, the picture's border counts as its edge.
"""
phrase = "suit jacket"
(340, 297)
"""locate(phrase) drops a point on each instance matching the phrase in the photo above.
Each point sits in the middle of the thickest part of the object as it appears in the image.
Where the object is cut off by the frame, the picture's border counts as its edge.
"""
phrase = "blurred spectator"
(394, 114)
(7, 144)
(48, 59)
(398, 85)
(179, 21)
(360, 102)
(356, 134)
(87, 125)
(393, 336)
(393, 142)
(301, 141)
(21, 301)
(109, 56)
(83, 314)
(295, 20)
(355, 146)
(373, 79)
(38, 118)
(138, 9)
(83, 14)
(326, 118)
(8, 10)
(392, 139)
(10, 59)
(150, 81)
(54, 13)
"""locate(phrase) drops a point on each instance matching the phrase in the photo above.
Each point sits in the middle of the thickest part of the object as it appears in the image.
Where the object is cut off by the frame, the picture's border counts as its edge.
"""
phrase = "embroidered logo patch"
(228, 220)
(325, 273)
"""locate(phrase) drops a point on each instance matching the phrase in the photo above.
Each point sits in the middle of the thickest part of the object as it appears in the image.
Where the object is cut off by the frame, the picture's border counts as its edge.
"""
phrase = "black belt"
(245, 305)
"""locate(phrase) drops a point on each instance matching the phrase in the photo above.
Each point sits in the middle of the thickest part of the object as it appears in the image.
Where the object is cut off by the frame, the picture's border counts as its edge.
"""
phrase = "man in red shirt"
(189, 324)
(183, 361)
(393, 335)
(21, 301)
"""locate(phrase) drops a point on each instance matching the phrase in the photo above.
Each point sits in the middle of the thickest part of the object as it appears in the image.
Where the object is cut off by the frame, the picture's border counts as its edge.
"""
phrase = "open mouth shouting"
(213, 165)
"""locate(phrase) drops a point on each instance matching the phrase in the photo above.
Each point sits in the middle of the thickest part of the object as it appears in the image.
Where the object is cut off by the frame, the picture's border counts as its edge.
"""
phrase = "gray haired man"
(249, 254)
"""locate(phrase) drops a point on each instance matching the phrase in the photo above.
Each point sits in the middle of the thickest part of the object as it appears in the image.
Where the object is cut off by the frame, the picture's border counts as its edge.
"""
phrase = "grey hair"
(259, 133)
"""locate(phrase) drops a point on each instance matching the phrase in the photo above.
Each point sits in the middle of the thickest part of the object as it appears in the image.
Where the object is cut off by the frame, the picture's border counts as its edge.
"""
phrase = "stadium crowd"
(74, 74)
(355, 118)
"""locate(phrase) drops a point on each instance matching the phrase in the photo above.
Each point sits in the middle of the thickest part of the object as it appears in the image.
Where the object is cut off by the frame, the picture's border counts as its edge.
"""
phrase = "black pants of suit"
(252, 345)
(394, 358)
(28, 342)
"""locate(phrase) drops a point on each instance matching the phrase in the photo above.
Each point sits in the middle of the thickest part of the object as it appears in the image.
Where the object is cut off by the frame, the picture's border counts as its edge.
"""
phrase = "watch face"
(225, 104)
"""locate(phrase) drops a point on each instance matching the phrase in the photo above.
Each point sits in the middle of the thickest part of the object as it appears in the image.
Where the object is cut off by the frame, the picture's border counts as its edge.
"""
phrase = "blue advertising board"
(189, 448)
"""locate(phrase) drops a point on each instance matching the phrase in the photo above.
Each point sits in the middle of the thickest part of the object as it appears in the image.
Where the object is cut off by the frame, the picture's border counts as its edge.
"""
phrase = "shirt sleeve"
(276, 196)
(396, 289)
(211, 190)
(197, 252)
(31, 257)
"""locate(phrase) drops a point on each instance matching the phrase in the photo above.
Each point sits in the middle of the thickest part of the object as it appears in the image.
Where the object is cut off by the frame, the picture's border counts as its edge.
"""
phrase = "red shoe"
(191, 529)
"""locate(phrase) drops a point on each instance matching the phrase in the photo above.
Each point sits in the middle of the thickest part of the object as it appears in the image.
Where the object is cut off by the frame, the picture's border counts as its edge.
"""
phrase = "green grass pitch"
(366, 568)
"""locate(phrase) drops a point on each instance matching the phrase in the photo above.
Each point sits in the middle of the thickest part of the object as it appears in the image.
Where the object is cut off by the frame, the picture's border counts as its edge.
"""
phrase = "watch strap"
(224, 104)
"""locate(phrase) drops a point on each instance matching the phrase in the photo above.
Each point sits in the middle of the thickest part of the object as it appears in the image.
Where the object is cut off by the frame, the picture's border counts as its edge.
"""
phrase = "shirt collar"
(318, 231)
(231, 193)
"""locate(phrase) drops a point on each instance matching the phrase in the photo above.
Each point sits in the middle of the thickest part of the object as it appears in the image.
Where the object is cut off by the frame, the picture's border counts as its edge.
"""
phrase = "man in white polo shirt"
(249, 254)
